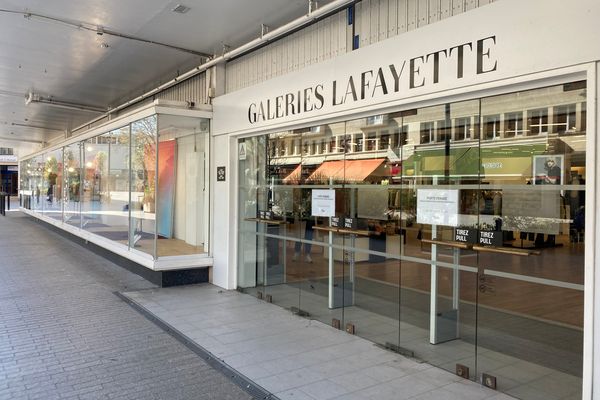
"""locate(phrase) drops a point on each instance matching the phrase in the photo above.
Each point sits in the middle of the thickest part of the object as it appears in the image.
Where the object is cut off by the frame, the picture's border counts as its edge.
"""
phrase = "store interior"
(496, 285)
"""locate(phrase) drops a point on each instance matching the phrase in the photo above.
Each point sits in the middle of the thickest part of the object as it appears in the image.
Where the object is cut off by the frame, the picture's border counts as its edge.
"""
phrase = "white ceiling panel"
(52, 58)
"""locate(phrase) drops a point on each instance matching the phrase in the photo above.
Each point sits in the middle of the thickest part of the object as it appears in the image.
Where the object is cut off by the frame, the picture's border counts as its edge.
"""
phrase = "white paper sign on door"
(437, 207)
(323, 203)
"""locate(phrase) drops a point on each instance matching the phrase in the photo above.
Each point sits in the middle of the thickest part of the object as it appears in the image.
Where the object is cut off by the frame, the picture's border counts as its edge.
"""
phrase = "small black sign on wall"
(220, 174)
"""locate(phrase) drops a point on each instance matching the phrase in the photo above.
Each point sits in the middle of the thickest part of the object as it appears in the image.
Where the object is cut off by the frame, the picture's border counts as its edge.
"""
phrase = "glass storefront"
(452, 233)
(141, 186)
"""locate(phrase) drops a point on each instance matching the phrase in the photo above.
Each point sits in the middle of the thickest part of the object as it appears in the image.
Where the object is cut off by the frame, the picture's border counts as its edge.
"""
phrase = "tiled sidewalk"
(297, 358)
(65, 335)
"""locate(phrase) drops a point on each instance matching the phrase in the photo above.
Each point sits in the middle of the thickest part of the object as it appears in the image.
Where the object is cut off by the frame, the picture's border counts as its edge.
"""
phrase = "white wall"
(375, 20)
(223, 215)
(189, 193)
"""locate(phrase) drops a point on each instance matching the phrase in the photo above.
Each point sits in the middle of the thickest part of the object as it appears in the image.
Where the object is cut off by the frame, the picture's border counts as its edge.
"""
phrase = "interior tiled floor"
(300, 358)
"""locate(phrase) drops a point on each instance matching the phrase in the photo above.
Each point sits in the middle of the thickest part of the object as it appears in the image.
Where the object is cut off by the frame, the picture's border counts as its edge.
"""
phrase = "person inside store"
(552, 177)
(576, 200)
(309, 222)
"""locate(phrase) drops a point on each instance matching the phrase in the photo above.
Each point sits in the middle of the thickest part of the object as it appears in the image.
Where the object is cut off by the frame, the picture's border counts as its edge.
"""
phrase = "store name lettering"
(410, 74)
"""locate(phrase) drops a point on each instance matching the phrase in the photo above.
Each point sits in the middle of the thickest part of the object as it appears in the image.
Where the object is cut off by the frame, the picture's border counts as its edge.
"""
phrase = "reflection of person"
(51, 182)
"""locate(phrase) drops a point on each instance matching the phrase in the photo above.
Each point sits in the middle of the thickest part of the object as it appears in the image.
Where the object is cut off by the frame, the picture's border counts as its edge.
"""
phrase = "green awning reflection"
(508, 161)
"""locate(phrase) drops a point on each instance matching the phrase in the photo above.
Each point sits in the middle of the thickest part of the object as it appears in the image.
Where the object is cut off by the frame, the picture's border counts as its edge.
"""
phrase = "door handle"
(505, 250)
(486, 249)
(458, 245)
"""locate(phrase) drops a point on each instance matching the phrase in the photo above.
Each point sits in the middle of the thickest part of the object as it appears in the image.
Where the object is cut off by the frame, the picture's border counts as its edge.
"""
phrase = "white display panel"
(323, 203)
(437, 207)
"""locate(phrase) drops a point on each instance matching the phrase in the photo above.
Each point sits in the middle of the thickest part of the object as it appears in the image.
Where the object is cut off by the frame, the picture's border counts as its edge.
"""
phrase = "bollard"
(2, 204)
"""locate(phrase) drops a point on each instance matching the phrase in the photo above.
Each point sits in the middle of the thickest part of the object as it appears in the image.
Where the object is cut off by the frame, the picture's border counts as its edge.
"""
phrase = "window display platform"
(166, 271)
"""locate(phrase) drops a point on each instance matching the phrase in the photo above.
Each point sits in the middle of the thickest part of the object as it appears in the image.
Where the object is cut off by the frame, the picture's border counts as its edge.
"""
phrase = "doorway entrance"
(453, 233)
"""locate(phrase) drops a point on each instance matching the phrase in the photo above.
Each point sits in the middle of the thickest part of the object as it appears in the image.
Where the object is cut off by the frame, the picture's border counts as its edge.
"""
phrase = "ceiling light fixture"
(18, 139)
(181, 9)
(36, 127)
(36, 98)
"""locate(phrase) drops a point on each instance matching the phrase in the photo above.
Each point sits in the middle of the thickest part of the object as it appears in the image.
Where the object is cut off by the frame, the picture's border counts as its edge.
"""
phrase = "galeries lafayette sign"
(409, 74)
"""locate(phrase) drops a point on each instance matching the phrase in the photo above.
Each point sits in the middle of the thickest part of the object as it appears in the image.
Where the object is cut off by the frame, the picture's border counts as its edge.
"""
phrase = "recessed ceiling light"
(181, 9)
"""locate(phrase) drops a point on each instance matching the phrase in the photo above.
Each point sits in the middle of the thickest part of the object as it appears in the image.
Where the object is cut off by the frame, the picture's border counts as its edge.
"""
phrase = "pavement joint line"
(250, 387)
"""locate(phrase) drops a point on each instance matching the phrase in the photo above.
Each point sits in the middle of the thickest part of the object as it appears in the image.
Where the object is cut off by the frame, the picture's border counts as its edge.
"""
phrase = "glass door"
(440, 186)
(531, 243)
(454, 233)
(317, 254)
(279, 221)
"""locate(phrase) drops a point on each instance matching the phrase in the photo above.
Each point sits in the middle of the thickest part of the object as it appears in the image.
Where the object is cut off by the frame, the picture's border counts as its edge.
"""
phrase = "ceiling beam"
(14, 139)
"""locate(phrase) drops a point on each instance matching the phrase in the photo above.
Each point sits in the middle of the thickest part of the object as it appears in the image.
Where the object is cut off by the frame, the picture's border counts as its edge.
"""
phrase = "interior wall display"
(548, 169)
(373, 203)
(166, 187)
(323, 203)
(437, 207)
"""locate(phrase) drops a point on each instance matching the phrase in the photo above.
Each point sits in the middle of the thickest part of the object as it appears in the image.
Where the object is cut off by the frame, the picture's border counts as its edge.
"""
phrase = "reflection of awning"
(346, 170)
(294, 176)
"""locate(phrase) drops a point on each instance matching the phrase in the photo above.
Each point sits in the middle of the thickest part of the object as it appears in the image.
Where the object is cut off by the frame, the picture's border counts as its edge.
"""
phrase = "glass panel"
(252, 200)
(96, 210)
(36, 182)
(372, 241)
(73, 188)
(285, 209)
(27, 180)
(318, 266)
(143, 185)
(118, 182)
(53, 184)
(530, 300)
(437, 316)
(182, 198)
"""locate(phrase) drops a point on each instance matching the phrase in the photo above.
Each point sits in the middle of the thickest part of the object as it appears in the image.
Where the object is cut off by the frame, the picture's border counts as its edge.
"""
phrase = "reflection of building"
(415, 141)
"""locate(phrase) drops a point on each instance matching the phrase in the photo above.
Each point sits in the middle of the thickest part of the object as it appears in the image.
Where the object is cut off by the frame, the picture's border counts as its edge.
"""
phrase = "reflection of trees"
(73, 178)
(51, 168)
(143, 162)
(100, 161)
(51, 173)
